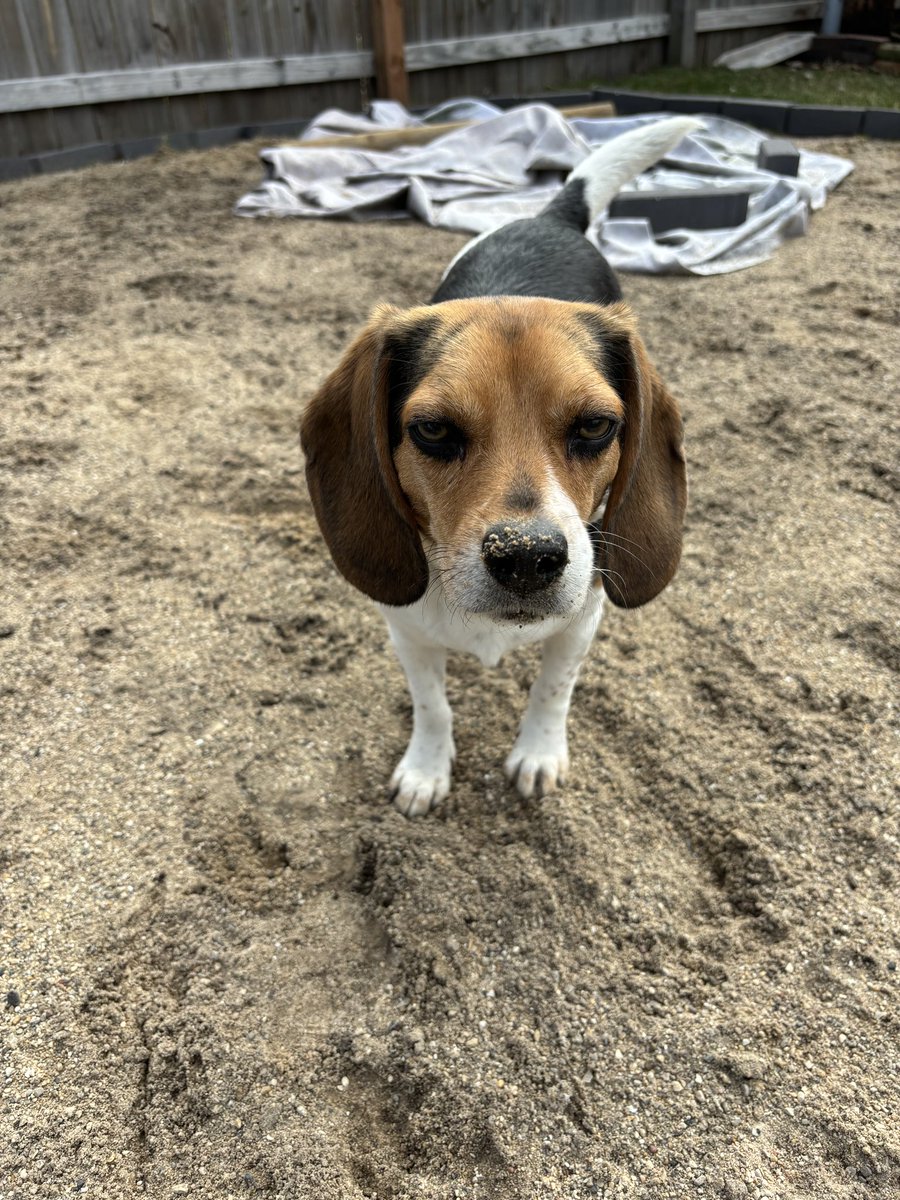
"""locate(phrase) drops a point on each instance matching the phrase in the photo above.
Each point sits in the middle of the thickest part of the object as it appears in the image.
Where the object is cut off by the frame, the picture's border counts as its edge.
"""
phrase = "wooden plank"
(61, 91)
(426, 56)
(388, 35)
(682, 47)
(420, 135)
(748, 16)
(767, 52)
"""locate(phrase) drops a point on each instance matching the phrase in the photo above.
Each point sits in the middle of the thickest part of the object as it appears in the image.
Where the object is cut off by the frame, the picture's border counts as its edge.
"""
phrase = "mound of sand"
(229, 967)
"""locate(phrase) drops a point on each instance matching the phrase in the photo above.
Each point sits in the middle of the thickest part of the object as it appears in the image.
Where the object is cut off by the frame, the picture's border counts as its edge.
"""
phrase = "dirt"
(229, 967)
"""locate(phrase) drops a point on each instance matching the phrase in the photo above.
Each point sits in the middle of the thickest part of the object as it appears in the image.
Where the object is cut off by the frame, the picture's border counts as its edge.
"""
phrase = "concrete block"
(778, 155)
(138, 147)
(762, 114)
(697, 208)
(881, 123)
(76, 156)
(17, 168)
(820, 120)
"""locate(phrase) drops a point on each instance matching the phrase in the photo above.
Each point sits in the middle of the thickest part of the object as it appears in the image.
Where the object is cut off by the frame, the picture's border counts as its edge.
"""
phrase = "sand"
(229, 967)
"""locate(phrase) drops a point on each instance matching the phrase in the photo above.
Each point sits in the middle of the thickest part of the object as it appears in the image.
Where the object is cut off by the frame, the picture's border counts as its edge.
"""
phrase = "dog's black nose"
(525, 558)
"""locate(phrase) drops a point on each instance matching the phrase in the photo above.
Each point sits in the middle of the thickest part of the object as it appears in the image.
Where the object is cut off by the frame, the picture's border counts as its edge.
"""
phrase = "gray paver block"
(778, 155)
(697, 208)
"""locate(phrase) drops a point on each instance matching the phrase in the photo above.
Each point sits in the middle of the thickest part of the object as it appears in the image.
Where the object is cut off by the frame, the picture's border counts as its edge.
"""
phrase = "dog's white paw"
(416, 791)
(538, 769)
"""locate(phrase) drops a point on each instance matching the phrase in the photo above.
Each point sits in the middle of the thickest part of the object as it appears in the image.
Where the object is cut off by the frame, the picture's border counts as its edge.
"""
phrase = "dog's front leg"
(422, 777)
(540, 757)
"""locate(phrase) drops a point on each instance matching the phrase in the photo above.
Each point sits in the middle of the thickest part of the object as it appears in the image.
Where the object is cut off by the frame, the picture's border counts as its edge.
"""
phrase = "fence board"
(16, 59)
(428, 55)
(113, 69)
(747, 16)
(60, 91)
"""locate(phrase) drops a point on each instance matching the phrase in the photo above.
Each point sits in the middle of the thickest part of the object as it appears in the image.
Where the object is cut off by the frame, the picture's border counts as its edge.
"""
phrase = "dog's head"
(511, 446)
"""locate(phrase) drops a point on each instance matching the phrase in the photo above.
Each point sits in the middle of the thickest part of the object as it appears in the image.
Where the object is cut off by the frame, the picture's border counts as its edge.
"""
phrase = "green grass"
(828, 84)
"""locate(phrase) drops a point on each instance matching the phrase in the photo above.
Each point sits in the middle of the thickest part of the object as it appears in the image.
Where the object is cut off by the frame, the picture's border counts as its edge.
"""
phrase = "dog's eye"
(439, 439)
(589, 435)
(432, 431)
(595, 429)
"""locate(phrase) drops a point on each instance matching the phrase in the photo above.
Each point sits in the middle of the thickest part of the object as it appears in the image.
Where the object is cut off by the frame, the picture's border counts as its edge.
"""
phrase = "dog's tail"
(597, 179)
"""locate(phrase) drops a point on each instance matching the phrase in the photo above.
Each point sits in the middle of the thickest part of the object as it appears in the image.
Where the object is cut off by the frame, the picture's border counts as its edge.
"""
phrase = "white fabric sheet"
(511, 163)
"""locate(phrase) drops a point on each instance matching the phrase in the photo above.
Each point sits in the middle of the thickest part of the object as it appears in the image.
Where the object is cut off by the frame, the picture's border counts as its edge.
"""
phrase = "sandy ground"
(228, 967)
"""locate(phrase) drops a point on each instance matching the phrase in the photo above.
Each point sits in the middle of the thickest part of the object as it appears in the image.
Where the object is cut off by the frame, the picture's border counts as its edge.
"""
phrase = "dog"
(490, 465)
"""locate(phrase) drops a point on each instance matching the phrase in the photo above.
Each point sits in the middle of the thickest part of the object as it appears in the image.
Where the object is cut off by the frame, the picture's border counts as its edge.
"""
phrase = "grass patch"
(809, 84)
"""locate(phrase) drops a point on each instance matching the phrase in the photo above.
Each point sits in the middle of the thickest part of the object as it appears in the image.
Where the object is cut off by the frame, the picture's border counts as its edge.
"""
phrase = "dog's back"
(549, 255)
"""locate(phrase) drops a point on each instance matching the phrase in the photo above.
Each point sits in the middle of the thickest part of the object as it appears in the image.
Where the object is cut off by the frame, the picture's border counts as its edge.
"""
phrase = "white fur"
(608, 168)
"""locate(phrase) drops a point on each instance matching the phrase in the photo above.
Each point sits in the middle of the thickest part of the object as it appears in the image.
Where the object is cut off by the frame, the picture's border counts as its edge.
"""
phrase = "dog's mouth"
(520, 616)
(516, 610)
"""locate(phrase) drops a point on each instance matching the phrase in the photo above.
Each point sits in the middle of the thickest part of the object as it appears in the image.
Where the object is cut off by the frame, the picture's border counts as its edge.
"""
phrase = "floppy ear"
(639, 543)
(361, 509)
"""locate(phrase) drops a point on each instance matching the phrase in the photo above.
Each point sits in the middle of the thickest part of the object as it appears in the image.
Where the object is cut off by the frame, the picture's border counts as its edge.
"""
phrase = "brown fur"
(514, 374)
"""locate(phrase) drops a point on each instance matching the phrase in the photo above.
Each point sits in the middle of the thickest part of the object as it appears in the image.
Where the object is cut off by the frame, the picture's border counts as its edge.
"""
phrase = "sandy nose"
(525, 557)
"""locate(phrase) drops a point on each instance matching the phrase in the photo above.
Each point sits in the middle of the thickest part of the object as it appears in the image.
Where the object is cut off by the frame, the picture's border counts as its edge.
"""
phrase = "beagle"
(488, 466)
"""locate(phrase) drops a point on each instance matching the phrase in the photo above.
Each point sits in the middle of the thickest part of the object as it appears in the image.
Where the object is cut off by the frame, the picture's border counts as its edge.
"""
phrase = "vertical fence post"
(682, 49)
(388, 32)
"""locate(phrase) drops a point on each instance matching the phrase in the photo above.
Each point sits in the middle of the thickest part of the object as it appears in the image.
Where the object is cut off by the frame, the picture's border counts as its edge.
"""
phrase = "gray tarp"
(510, 164)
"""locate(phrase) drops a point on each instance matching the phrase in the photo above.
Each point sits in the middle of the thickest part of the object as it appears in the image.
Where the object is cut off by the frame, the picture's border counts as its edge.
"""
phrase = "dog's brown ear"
(639, 542)
(361, 509)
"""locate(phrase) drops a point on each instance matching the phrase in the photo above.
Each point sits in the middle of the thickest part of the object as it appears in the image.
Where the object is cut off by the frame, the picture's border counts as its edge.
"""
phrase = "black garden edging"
(798, 120)
(131, 148)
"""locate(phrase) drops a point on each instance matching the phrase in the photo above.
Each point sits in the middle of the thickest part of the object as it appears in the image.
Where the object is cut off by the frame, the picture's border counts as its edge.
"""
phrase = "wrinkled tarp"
(510, 164)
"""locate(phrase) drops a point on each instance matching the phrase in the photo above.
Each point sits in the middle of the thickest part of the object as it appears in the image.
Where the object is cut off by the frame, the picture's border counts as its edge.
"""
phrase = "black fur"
(547, 255)
(410, 357)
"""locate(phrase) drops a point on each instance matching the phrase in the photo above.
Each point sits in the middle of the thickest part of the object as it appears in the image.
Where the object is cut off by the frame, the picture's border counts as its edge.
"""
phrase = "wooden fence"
(74, 72)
